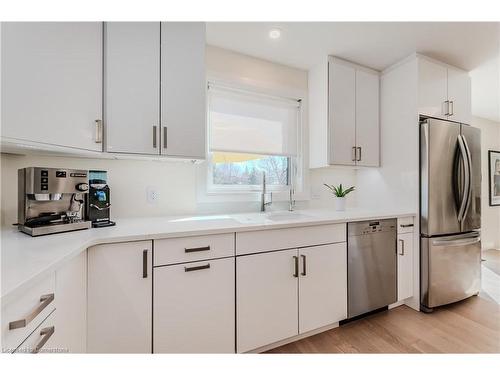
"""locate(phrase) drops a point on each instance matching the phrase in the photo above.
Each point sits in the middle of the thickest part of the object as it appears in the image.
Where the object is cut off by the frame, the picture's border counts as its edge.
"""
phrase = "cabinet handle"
(165, 137)
(402, 247)
(154, 135)
(196, 249)
(46, 333)
(303, 265)
(98, 131)
(197, 268)
(406, 225)
(145, 264)
(45, 300)
(296, 266)
(359, 157)
(447, 108)
(354, 153)
(452, 111)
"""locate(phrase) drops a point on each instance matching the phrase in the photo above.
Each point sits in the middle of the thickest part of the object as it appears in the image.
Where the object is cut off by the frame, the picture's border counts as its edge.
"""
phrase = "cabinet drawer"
(41, 339)
(289, 238)
(199, 316)
(26, 311)
(190, 249)
(406, 224)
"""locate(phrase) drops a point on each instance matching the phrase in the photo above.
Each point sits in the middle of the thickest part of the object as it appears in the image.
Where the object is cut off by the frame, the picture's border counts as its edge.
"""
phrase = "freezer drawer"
(450, 268)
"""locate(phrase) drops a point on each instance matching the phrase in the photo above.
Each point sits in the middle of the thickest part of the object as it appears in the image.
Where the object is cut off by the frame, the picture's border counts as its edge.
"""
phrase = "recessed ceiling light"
(275, 33)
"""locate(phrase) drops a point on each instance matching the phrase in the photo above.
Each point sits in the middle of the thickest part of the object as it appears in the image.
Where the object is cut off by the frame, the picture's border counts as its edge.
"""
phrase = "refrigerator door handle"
(465, 160)
(461, 242)
(469, 163)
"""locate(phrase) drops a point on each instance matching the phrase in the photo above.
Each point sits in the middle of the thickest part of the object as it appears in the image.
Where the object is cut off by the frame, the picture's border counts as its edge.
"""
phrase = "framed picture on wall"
(494, 167)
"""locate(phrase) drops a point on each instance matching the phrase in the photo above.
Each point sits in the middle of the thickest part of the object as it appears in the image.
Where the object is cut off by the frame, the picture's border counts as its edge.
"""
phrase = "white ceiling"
(374, 44)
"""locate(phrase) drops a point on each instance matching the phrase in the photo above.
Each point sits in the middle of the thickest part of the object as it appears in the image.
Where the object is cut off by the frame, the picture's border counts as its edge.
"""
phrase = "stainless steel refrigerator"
(450, 212)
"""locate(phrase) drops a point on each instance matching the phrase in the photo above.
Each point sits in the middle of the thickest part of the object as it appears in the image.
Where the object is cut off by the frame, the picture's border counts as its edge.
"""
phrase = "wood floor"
(470, 326)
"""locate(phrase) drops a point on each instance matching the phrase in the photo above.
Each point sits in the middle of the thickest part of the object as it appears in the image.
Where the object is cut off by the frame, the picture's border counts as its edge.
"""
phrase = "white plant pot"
(340, 203)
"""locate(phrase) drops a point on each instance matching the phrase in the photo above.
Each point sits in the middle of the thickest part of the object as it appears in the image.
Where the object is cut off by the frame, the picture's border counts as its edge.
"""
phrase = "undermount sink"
(283, 216)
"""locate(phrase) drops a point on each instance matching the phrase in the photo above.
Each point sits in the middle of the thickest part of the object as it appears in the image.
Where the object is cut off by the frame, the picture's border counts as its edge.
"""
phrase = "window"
(251, 134)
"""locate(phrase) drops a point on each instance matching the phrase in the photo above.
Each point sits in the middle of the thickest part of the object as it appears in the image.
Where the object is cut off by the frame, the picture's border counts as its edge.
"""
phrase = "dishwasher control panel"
(374, 226)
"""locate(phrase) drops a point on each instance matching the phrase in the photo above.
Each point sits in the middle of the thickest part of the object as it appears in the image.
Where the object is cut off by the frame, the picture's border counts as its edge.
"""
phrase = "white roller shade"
(252, 123)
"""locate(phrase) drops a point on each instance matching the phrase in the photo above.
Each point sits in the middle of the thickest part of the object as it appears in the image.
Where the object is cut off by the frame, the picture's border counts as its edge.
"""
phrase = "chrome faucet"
(291, 200)
(263, 202)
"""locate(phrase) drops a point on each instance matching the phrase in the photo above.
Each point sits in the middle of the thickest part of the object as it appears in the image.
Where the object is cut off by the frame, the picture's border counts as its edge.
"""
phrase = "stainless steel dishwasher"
(371, 265)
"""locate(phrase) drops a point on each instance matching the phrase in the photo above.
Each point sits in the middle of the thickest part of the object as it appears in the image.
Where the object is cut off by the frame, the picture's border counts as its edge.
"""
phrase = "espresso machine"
(52, 200)
(98, 200)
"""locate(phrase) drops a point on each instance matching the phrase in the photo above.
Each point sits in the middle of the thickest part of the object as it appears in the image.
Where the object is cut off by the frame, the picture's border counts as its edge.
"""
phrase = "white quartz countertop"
(25, 259)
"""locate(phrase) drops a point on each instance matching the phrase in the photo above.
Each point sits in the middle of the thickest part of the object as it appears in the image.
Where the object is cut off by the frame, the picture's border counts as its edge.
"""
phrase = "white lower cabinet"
(194, 307)
(405, 265)
(42, 339)
(266, 299)
(120, 298)
(71, 317)
(322, 286)
(285, 293)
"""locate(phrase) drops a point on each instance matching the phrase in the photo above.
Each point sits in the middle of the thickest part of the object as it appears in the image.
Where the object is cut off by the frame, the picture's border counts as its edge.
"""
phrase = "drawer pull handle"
(145, 264)
(195, 249)
(296, 266)
(46, 333)
(45, 300)
(406, 225)
(303, 265)
(197, 268)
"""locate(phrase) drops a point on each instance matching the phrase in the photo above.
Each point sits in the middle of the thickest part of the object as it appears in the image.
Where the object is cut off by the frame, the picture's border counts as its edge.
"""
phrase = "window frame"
(232, 198)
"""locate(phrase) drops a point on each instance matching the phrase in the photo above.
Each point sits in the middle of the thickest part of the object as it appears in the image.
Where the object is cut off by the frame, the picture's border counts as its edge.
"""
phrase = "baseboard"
(277, 344)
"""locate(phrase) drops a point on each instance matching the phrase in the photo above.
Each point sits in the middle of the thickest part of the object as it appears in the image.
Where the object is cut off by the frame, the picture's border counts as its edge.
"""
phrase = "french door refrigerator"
(450, 212)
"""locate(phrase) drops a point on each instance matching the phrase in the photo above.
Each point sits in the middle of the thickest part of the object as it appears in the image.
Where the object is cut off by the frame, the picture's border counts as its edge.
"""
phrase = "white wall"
(490, 216)
(176, 182)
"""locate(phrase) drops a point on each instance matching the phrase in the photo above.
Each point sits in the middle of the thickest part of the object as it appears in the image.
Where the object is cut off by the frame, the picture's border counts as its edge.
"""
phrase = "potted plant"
(340, 193)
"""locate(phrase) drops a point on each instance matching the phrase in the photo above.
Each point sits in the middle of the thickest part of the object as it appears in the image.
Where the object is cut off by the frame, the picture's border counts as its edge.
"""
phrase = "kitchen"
(167, 183)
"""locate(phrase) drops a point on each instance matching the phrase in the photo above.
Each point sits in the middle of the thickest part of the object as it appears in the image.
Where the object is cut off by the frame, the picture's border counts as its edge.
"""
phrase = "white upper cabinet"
(443, 91)
(459, 95)
(343, 115)
(432, 88)
(52, 83)
(183, 90)
(132, 87)
(367, 118)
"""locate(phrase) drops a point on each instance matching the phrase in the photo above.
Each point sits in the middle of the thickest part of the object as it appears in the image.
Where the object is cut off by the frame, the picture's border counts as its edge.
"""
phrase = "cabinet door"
(459, 95)
(183, 89)
(367, 118)
(199, 316)
(71, 318)
(322, 286)
(432, 89)
(120, 298)
(266, 299)
(341, 113)
(52, 82)
(132, 87)
(405, 266)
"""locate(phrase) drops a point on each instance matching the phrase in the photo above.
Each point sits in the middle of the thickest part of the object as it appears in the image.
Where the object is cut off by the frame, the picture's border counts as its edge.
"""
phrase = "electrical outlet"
(315, 192)
(152, 195)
